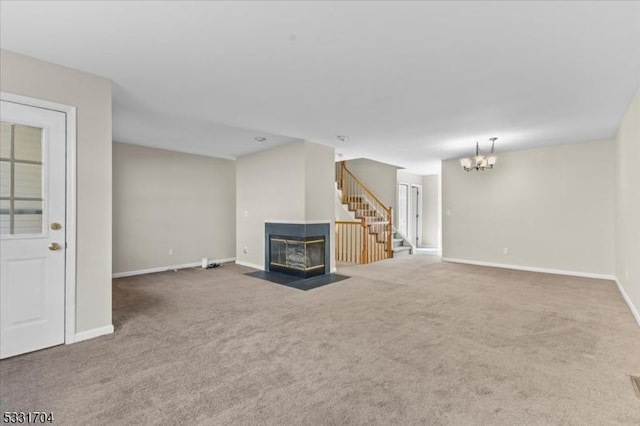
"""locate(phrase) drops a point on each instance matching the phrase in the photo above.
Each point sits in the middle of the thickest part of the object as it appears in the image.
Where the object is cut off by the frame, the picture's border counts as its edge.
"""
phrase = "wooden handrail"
(364, 187)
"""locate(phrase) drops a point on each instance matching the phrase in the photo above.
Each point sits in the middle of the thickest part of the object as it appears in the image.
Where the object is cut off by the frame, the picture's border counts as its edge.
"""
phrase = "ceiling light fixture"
(482, 160)
(342, 138)
(260, 139)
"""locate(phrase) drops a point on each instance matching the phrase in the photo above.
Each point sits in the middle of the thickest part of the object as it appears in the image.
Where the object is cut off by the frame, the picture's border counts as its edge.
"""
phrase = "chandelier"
(482, 160)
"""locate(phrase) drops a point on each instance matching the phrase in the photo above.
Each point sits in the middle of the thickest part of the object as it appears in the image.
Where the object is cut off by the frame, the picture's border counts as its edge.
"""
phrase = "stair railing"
(351, 241)
(371, 238)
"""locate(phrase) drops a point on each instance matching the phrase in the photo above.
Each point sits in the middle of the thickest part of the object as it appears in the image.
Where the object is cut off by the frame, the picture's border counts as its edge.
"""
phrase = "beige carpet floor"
(403, 342)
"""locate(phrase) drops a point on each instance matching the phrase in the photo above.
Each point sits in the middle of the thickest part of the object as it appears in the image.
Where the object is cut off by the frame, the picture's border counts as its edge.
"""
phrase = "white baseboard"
(169, 268)
(532, 269)
(627, 299)
(250, 265)
(94, 332)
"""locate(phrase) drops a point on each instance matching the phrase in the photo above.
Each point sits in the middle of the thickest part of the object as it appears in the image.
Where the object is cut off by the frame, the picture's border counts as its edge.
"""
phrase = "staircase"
(369, 236)
(401, 246)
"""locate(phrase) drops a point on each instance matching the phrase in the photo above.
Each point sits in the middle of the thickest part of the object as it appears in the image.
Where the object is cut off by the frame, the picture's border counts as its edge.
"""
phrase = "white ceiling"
(409, 83)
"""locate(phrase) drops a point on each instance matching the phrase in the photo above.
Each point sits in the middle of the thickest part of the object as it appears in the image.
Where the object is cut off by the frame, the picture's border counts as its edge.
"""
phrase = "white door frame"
(70, 252)
(417, 238)
(406, 207)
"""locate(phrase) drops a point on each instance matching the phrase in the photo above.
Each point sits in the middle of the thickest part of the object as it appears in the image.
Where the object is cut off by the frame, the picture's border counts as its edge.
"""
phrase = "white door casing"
(416, 215)
(32, 276)
(403, 209)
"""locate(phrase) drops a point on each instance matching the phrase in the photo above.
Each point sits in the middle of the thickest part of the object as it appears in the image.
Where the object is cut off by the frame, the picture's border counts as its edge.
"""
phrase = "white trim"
(70, 322)
(419, 231)
(532, 269)
(168, 268)
(627, 299)
(93, 333)
(250, 265)
(70, 251)
(397, 216)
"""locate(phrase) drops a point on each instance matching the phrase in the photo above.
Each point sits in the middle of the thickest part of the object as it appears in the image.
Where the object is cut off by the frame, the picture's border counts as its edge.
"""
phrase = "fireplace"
(297, 249)
(301, 256)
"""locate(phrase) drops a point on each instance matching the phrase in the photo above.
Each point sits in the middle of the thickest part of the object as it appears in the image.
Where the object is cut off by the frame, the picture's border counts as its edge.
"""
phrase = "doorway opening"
(410, 212)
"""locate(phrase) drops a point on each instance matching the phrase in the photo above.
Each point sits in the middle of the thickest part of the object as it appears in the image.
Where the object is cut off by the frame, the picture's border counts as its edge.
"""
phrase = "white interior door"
(403, 209)
(32, 228)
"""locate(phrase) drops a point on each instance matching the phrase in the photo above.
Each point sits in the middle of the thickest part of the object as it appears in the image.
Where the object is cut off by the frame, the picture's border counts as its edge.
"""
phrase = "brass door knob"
(54, 246)
(56, 226)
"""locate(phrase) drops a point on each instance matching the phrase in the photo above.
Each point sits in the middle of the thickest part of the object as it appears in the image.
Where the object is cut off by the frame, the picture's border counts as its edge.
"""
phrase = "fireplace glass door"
(297, 256)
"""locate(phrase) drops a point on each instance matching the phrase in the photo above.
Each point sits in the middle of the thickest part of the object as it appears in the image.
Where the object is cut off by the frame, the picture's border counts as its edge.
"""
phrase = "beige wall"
(293, 182)
(628, 204)
(410, 178)
(319, 181)
(431, 211)
(320, 193)
(270, 185)
(166, 200)
(551, 207)
(91, 95)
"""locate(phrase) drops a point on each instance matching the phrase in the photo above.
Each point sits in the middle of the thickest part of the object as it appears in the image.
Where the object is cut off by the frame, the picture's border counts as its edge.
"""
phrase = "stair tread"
(401, 248)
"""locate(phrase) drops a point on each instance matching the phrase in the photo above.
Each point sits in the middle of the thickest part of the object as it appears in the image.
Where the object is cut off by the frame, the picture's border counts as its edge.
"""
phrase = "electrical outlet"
(246, 213)
(505, 250)
(170, 252)
(245, 250)
(448, 212)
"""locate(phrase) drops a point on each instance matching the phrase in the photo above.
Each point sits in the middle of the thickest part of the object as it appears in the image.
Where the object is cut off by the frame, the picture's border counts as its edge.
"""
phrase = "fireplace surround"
(299, 249)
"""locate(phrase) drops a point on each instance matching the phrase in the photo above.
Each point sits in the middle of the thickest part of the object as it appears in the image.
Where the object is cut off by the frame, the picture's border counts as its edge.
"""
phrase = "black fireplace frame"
(298, 231)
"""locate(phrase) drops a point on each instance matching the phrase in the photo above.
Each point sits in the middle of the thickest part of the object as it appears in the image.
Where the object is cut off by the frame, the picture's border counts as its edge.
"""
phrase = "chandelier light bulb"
(482, 160)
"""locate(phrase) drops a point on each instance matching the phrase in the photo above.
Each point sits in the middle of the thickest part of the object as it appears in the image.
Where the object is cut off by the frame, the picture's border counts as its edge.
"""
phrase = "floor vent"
(635, 382)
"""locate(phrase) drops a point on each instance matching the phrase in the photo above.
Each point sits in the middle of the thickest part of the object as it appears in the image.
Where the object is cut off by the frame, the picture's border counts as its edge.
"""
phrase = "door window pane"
(28, 143)
(27, 217)
(4, 217)
(5, 140)
(5, 178)
(28, 180)
(21, 180)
